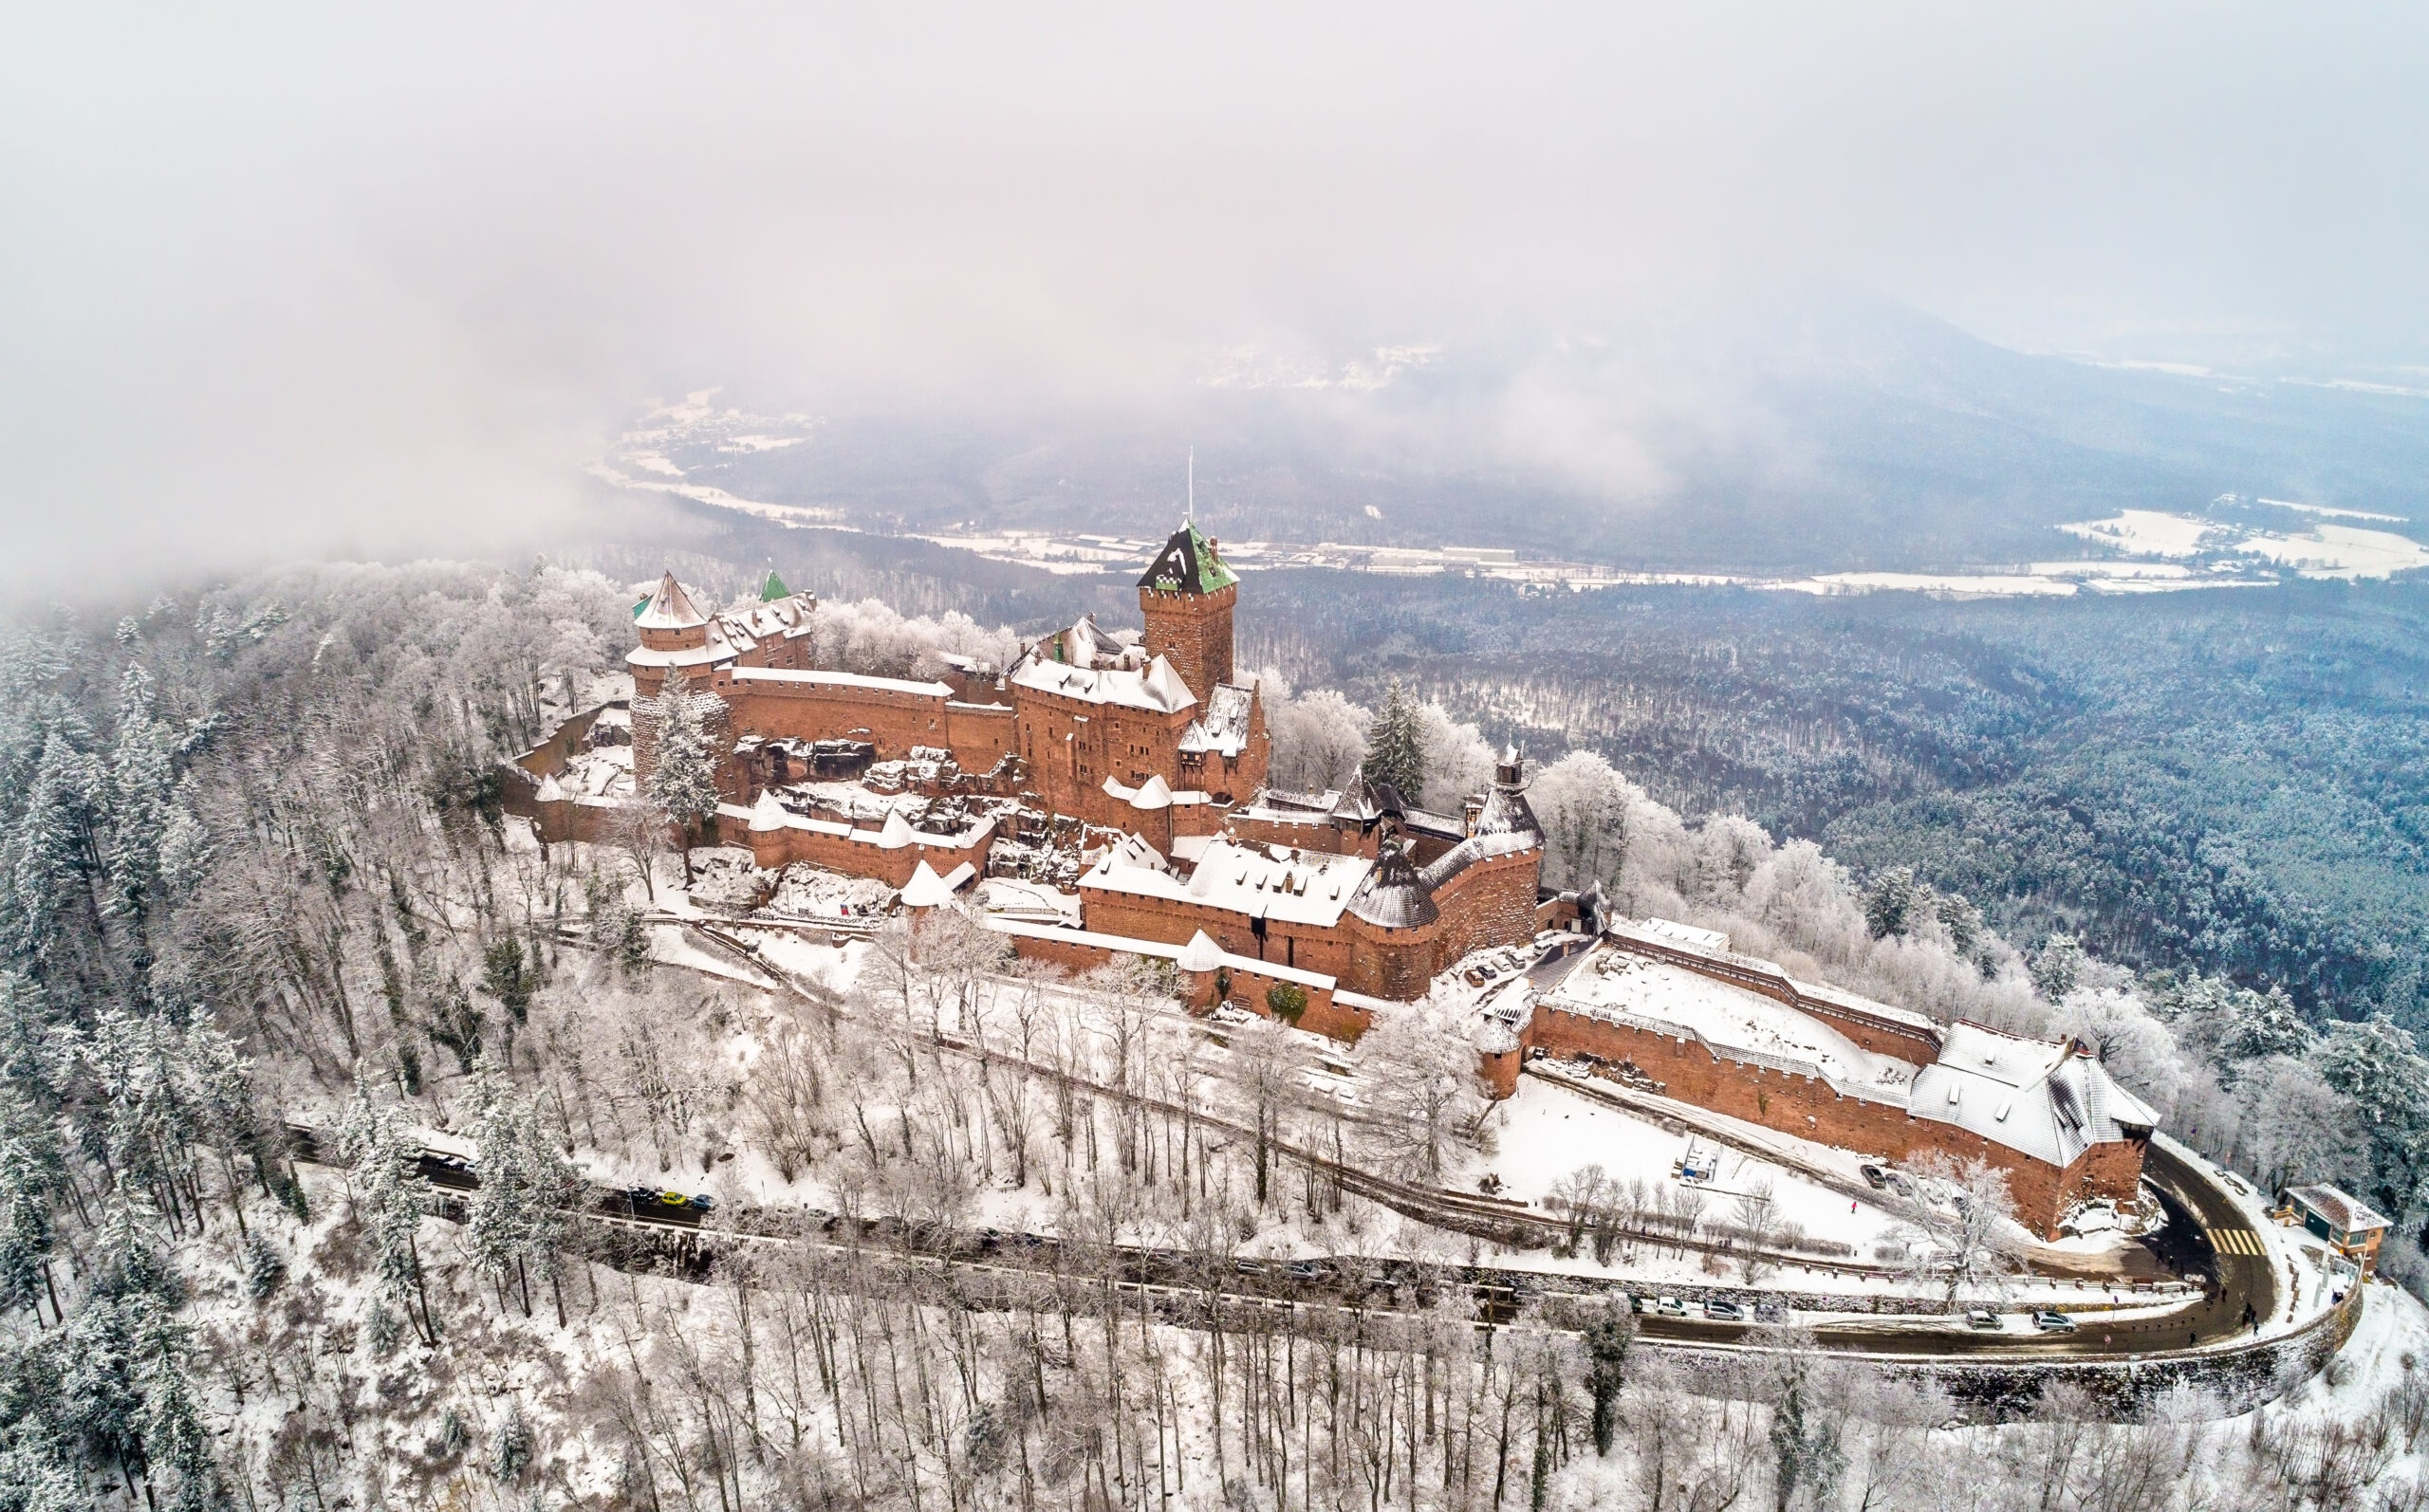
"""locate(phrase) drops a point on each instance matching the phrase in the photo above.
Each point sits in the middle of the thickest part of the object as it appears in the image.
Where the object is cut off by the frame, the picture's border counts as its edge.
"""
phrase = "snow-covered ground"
(1728, 1016)
(1546, 1130)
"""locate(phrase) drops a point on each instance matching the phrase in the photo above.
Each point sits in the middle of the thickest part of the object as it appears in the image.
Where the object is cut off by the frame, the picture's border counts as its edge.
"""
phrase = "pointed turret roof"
(773, 588)
(669, 608)
(1505, 810)
(925, 890)
(1200, 955)
(1187, 564)
(767, 815)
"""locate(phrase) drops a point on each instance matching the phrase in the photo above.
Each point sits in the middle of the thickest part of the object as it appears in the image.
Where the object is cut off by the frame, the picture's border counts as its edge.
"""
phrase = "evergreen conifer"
(1396, 744)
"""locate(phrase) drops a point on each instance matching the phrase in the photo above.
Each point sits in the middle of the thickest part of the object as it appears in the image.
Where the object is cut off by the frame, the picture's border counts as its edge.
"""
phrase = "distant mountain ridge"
(1830, 436)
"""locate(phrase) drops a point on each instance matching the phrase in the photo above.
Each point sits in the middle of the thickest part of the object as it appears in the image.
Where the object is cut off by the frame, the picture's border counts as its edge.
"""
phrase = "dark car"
(1874, 1178)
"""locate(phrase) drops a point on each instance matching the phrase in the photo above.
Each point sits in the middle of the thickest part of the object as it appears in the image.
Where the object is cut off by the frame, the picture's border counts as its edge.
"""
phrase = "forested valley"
(2227, 784)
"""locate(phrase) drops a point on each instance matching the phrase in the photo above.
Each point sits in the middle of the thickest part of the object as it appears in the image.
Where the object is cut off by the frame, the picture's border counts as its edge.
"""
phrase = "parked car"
(700, 1202)
(1721, 1310)
(1768, 1310)
(2049, 1323)
(1670, 1307)
(1873, 1177)
(1306, 1270)
(1983, 1318)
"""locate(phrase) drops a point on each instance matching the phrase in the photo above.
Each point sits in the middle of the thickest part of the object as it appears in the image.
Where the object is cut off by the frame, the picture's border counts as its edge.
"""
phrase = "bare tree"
(1963, 1234)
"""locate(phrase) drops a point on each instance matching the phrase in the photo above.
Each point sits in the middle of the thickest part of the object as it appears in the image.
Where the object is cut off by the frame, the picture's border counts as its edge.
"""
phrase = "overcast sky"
(276, 279)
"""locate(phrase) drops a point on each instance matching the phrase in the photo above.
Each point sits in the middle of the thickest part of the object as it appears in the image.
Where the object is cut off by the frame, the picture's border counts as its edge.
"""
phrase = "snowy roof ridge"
(2051, 1100)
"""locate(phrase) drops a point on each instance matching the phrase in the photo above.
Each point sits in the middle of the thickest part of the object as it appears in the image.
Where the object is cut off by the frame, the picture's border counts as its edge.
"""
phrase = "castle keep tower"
(1187, 597)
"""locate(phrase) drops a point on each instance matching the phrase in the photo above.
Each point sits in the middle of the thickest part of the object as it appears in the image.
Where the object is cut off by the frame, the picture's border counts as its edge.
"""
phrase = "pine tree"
(379, 1147)
(1607, 1338)
(506, 976)
(1396, 744)
(683, 779)
(48, 849)
(185, 846)
(26, 1232)
(141, 795)
(518, 1216)
(1807, 1449)
(1894, 903)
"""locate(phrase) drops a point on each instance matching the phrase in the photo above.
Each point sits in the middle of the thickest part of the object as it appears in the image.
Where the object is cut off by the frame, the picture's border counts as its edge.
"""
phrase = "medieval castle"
(1125, 771)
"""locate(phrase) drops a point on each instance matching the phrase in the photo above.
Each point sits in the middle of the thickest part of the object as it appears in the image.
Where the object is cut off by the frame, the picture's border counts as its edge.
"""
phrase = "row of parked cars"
(1722, 1310)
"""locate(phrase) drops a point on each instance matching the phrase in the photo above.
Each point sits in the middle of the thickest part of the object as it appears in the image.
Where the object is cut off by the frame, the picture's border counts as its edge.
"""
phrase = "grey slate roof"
(1392, 895)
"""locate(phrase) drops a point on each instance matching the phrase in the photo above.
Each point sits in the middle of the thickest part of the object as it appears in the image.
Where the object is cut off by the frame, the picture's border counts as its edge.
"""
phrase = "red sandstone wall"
(1323, 1015)
(893, 722)
(979, 735)
(1320, 838)
(851, 858)
(1807, 1106)
(1490, 903)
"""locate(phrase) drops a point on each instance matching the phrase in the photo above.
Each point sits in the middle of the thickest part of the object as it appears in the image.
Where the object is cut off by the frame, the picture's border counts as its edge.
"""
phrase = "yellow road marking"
(2236, 1240)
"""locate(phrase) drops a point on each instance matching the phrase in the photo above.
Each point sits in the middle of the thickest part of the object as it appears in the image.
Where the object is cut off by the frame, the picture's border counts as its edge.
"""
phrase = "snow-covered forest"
(255, 868)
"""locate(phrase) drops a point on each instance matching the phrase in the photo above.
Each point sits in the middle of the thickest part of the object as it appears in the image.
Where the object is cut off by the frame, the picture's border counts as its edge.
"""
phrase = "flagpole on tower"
(1193, 486)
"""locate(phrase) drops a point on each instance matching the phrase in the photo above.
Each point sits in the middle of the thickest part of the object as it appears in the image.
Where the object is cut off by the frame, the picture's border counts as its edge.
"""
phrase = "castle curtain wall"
(1694, 1073)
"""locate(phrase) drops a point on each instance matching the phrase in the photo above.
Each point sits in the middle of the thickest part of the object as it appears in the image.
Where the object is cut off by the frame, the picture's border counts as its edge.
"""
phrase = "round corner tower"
(1187, 598)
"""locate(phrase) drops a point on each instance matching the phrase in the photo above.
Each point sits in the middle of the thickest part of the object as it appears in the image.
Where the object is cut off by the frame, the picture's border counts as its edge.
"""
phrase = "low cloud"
(296, 280)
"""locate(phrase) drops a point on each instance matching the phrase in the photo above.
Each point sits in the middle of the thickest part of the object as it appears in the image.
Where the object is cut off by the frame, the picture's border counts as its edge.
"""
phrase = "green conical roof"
(773, 588)
(1187, 564)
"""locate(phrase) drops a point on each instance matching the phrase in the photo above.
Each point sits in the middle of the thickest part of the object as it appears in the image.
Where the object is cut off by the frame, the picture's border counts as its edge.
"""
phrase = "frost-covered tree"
(142, 794)
(1423, 1067)
(1396, 744)
(2379, 1065)
(2057, 965)
(1894, 902)
(49, 848)
(1609, 1334)
(1963, 1235)
(1459, 759)
(185, 846)
(1582, 805)
(1807, 1436)
(30, 1154)
(1728, 850)
(519, 1215)
(1319, 738)
(2295, 1128)
(683, 779)
(377, 1143)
